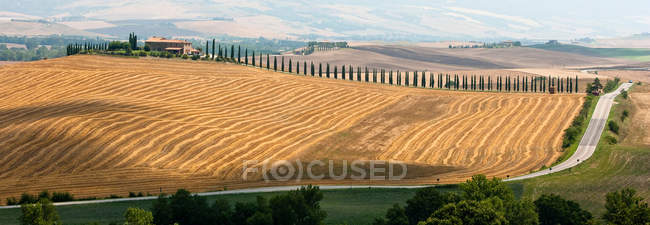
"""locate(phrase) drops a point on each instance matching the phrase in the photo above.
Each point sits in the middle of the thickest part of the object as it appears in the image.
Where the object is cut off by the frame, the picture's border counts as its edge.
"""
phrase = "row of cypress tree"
(383, 76)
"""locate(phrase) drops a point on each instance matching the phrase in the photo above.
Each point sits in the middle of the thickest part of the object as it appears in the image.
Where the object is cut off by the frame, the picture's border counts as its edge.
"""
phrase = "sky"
(547, 19)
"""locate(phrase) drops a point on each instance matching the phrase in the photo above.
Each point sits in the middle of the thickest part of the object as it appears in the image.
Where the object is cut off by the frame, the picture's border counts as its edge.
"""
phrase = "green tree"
(136, 216)
(625, 208)
(394, 216)
(480, 188)
(553, 209)
(425, 202)
(221, 211)
(40, 213)
(213, 44)
(613, 126)
(468, 212)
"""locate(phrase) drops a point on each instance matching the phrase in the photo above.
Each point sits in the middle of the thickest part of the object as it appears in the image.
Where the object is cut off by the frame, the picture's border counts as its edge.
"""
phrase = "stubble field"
(96, 126)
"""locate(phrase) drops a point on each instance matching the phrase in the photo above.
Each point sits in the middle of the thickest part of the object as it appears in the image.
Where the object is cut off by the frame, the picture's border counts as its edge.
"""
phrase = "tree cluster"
(491, 202)
(299, 207)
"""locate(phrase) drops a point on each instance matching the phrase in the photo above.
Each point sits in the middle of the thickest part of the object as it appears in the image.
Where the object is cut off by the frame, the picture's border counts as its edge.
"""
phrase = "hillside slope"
(97, 126)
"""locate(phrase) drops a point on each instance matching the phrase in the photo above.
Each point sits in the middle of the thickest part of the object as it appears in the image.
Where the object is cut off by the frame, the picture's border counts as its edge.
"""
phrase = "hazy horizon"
(467, 20)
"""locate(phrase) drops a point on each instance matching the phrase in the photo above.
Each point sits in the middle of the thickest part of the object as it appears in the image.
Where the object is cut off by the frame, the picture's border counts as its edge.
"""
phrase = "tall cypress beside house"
(246, 56)
(290, 68)
(576, 83)
(298, 68)
(343, 71)
(431, 84)
(232, 52)
(261, 60)
(304, 68)
(219, 53)
(336, 71)
(206, 49)
(225, 50)
(320, 69)
(313, 70)
(390, 77)
(282, 61)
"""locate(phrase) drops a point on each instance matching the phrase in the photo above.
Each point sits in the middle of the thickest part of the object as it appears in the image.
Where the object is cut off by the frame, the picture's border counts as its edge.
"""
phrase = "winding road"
(585, 149)
(589, 140)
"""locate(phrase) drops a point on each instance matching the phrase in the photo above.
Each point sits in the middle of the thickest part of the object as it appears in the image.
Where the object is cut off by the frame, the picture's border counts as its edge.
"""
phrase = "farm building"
(172, 46)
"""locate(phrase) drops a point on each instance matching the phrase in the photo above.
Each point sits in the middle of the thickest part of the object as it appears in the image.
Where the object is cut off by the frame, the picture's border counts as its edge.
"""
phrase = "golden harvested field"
(96, 126)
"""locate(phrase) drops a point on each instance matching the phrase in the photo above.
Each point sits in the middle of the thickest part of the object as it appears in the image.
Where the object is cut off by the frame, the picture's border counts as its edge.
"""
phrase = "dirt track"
(96, 126)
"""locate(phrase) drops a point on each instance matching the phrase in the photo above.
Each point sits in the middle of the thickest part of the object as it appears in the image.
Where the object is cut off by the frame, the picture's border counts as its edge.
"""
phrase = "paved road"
(585, 149)
(589, 140)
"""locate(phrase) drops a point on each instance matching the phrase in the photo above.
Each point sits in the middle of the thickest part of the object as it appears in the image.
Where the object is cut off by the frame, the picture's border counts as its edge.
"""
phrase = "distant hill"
(639, 54)
(25, 28)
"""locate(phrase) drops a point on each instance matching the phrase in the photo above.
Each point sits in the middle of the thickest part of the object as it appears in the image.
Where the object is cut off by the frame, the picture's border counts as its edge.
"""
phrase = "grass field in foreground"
(612, 167)
(351, 206)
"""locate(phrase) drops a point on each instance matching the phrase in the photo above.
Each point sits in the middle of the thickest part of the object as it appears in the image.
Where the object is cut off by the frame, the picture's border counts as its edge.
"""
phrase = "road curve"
(589, 140)
(585, 149)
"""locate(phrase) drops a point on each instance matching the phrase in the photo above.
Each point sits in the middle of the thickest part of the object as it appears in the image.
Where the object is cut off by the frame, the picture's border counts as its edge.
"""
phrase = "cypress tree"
(358, 73)
(313, 70)
(343, 71)
(415, 78)
(327, 71)
(245, 56)
(424, 80)
(367, 76)
(290, 68)
(206, 48)
(576, 83)
(298, 68)
(374, 75)
(232, 52)
(282, 62)
(238, 53)
(406, 79)
(304, 68)
(336, 71)
(275, 63)
(399, 78)
(383, 77)
(320, 69)
(268, 61)
(213, 42)
(350, 72)
(390, 77)
(431, 83)
(219, 53)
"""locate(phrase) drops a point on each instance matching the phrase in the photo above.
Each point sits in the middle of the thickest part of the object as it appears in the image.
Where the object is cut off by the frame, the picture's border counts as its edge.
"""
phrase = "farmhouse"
(172, 46)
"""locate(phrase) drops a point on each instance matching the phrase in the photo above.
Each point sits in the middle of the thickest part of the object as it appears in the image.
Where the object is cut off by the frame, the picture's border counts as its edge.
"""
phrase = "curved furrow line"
(36, 153)
(459, 150)
(98, 147)
(496, 131)
(457, 125)
(427, 144)
(396, 149)
(501, 157)
(48, 135)
(254, 153)
(263, 125)
(289, 131)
